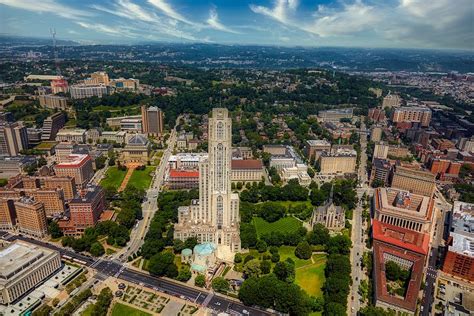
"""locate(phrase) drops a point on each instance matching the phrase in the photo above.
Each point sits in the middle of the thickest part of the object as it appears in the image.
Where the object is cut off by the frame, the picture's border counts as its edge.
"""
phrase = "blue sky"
(359, 23)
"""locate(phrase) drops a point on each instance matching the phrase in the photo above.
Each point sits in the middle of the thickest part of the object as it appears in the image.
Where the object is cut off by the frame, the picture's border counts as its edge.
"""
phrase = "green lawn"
(142, 178)
(311, 277)
(113, 178)
(289, 252)
(286, 224)
(88, 310)
(120, 310)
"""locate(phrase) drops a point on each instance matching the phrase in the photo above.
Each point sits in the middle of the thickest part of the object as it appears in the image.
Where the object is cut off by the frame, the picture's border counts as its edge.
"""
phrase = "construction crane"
(55, 50)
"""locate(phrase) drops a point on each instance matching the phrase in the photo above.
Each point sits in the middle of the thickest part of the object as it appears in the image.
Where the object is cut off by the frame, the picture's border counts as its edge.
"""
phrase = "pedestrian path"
(130, 168)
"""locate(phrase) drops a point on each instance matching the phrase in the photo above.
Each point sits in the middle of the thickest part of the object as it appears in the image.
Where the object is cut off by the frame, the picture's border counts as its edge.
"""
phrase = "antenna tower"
(55, 50)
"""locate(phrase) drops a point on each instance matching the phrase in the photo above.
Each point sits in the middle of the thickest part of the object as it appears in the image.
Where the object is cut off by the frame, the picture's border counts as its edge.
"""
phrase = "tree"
(54, 230)
(200, 280)
(285, 271)
(97, 249)
(311, 172)
(261, 246)
(252, 268)
(248, 235)
(265, 266)
(275, 257)
(190, 243)
(334, 309)
(159, 264)
(339, 244)
(184, 274)
(220, 284)
(319, 235)
(303, 250)
(178, 245)
(238, 258)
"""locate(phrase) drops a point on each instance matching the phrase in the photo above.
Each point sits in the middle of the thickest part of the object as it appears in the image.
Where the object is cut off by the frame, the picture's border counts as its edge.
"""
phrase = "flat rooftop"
(462, 229)
(18, 256)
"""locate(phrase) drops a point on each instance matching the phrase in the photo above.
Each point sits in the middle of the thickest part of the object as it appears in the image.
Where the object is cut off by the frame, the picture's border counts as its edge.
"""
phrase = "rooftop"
(18, 256)
(74, 160)
(462, 229)
(247, 164)
(184, 173)
(138, 140)
(318, 142)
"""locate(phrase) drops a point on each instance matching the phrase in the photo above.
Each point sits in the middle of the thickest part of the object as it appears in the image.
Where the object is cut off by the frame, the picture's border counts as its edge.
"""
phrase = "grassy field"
(113, 178)
(142, 178)
(286, 224)
(310, 277)
(121, 309)
(289, 252)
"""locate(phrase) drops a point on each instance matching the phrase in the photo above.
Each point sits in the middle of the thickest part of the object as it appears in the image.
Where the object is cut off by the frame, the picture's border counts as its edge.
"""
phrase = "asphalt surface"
(114, 268)
(150, 203)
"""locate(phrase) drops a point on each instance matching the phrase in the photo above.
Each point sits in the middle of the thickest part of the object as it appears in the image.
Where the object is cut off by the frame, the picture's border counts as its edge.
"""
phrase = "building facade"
(419, 115)
(215, 217)
(51, 126)
(338, 162)
(13, 138)
(152, 120)
(248, 170)
(31, 217)
(24, 266)
(53, 102)
(414, 180)
(82, 91)
(79, 167)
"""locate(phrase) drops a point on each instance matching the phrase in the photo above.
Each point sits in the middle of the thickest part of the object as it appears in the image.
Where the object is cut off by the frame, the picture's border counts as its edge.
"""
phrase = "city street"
(357, 234)
(117, 269)
(150, 203)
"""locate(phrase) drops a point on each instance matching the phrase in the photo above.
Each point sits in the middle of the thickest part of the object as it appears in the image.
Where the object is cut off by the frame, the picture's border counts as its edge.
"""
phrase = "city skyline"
(398, 24)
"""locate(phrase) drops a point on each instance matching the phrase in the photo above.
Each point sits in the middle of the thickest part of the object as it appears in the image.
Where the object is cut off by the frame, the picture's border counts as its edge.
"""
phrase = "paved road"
(115, 268)
(431, 271)
(150, 203)
(357, 235)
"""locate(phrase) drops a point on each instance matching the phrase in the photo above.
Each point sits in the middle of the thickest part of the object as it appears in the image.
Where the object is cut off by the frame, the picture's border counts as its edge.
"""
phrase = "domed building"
(137, 150)
(204, 257)
(186, 255)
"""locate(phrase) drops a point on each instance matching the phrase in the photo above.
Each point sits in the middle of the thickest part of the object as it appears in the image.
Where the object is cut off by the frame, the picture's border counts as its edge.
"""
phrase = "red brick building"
(84, 211)
(408, 249)
(183, 179)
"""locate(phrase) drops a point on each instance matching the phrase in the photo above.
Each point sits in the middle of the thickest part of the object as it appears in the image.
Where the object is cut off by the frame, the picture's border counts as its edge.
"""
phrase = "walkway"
(130, 168)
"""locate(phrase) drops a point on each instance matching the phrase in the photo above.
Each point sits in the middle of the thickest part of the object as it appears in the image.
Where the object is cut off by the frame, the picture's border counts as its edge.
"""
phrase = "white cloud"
(213, 22)
(415, 23)
(118, 31)
(352, 18)
(146, 20)
(280, 11)
(47, 6)
(168, 10)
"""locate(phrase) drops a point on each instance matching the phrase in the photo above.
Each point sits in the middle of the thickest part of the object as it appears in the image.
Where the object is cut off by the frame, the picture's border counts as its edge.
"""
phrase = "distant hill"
(9, 40)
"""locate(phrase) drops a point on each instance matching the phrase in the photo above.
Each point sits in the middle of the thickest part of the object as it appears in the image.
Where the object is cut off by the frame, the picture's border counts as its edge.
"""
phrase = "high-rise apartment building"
(380, 151)
(98, 77)
(51, 125)
(53, 102)
(414, 114)
(53, 200)
(7, 214)
(215, 217)
(77, 166)
(82, 91)
(414, 180)
(152, 120)
(13, 138)
(31, 217)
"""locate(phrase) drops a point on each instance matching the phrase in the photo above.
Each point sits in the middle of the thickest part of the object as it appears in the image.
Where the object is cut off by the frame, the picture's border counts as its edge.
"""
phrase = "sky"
(443, 24)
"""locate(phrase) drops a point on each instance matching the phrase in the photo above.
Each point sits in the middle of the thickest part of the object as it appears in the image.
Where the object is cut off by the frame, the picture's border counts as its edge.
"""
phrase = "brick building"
(79, 167)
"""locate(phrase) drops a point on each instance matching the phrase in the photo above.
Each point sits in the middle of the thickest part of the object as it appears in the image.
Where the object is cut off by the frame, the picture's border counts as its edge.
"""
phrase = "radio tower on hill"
(55, 50)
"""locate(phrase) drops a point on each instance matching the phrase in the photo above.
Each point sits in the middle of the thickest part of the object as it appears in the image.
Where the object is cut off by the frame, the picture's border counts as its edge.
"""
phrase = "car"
(246, 312)
(218, 303)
